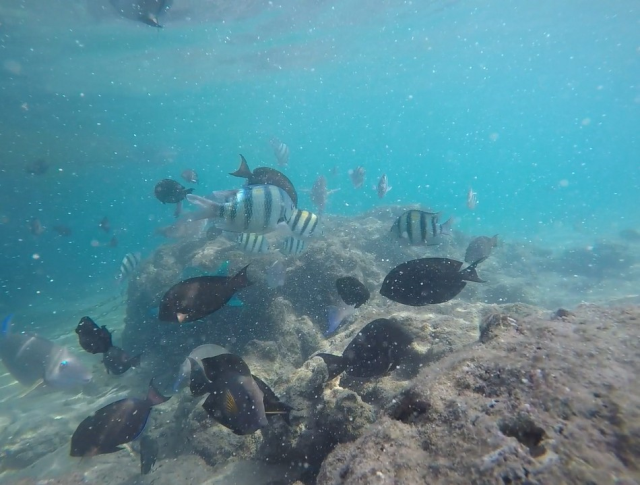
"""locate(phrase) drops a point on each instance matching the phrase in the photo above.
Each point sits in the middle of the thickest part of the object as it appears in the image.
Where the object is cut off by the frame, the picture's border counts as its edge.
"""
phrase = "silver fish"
(383, 186)
(281, 151)
(472, 199)
(420, 227)
(357, 177)
(292, 246)
(304, 224)
(255, 208)
(129, 264)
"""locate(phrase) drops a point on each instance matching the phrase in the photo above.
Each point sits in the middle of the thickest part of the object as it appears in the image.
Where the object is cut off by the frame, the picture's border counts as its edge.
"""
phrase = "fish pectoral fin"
(230, 405)
(34, 386)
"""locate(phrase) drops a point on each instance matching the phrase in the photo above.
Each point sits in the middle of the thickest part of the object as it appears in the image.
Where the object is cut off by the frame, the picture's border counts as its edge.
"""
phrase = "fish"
(281, 151)
(129, 264)
(276, 275)
(197, 354)
(148, 454)
(35, 226)
(195, 298)
(472, 199)
(113, 242)
(145, 11)
(292, 246)
(117, 361)
(92, 338)
(114, 425)
(234, 400)
(266, 176)
(255, 208)
(190, 175)
(272, 404)
(222, 270)
(169, 191)
(62, 230)
(375, 351)
(480, 248)
(304, 224)
(420, 227)
(320, 194)
(338, 314)
(37, 167)
(253, 243)
(383, 186)
(428, 281)
(357, 177)
(105, 225)
(34, 361)
(352, 291)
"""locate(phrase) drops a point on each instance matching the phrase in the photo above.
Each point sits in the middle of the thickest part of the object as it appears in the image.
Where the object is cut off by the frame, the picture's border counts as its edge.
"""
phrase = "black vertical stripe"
(409, 225)
(423, 227)
(307, 220)
(268, 206)
(256, 238)
(248, 208)
(316, 220)
(434, 226)
(296, 220)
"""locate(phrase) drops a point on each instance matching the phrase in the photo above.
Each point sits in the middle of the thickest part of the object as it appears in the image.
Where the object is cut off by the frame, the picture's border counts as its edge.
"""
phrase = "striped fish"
(252, 209)
(304, 224)
(253, 243)
(292, 246)
(129, 264)
(281, 151)
(420, 227)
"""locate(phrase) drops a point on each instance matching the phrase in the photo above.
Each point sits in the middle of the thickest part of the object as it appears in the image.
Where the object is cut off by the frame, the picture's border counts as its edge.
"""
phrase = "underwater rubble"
(492, 390)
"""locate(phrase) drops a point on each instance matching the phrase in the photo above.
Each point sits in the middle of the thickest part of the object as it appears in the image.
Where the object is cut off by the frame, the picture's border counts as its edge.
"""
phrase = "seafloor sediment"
(497, 388)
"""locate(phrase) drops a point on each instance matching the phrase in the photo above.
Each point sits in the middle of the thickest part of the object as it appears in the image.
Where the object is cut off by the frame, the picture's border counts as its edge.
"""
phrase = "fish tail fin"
(240, 280)
(223, 269)
(5, 329)
(208, 208)
(445, 228)
(235, 302)
(243, 170)
(188, 191)
(470, 274)
(135, 361)
(335, 364)
(336, 315)
(154, 395)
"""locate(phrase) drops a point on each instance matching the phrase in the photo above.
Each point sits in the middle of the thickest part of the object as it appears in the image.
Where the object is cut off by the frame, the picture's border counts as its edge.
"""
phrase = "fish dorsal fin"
(214, 367)
(243, 170)
(230, 405)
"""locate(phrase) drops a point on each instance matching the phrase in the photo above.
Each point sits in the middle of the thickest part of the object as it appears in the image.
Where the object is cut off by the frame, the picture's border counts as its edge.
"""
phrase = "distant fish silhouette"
(145, 11)
(37, 167)
(281, 151)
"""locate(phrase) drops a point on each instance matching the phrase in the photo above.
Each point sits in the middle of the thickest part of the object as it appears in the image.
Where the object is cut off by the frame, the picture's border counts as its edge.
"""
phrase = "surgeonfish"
(266, 176)
(304, 224)
(281, 151)
(34, 360)
(428, 281)
(353, 295)
(292, 246)
(195, 298)
(480, 248)
(114, 425)
(129, 264)
(255, 209)
(118, 361)
(197, 354)
(420, 227)
(92, 338)
(376, 350)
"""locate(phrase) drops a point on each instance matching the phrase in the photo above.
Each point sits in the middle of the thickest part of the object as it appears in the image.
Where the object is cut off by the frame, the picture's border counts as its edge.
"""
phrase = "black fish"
(37, 167)
(266, 176)
(428, 281)
(235, 399)
(148, 454)
(117, 361)
(105, 225)
(169, 191)
(93, 339)
(375, 351)
(352, 291)
(480, 248)
(198, 297)
(115, 424)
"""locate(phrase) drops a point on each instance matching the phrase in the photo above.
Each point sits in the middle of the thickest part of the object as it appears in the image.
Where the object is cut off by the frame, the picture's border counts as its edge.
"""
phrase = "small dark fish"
(114, 425)
(113, 242)
(383, 186)
(37, 167)
(190, 175)
(93, 339)
(320, 194)
(235, 400)
(428, 281)
(169, 191)
(198, 297)
(266, 176)
(148, 453)
(31, 359)
(63, 230)
(117, 361)
(129, 264)
(357, 177)
(105, 225)
(420, 227)
(376, 350)
(145, 11)
(35, 226)
(352, 291)
(480, 248)
(281, 151)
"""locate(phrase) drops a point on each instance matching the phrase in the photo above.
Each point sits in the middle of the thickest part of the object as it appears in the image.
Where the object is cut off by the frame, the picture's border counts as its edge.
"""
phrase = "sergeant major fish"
(303, 224)
(129, 264)
(292, 246)
(281, 151)
(420, 227)
(252, 243)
